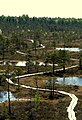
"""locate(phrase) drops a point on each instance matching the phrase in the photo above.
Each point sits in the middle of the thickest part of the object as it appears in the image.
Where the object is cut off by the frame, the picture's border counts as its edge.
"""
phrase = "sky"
(42, 8)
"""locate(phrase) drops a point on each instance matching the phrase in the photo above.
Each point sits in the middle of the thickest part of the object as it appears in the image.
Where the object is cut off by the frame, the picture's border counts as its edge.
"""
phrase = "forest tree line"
(8, 23)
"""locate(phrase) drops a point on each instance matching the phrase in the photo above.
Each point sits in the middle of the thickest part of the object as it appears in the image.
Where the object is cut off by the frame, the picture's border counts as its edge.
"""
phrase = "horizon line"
(39, 16)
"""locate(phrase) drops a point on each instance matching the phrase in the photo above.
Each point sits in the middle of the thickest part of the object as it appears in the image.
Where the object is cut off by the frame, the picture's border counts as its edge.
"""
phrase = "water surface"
(4, 96)
(69, 49)
(23, 63)
(66, 80)
(70, 80)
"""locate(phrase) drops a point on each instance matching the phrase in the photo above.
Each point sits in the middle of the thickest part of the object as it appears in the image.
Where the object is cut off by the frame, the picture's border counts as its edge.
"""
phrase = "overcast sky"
(42, 8)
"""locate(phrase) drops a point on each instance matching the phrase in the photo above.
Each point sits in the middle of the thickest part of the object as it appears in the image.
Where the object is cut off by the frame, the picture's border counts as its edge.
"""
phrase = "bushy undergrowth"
(50, 110)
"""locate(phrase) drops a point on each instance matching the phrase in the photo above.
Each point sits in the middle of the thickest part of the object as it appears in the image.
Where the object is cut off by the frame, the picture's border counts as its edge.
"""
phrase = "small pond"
(23, 63)
(69, 49)
(70, 80)
(4, 96)
(67, 80)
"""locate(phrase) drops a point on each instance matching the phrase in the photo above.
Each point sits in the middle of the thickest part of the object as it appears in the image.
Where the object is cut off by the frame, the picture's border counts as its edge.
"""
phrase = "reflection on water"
(69, 49)
(20, 63)
(66, 80)
(23, 63)
(70, 80)
(4, 96)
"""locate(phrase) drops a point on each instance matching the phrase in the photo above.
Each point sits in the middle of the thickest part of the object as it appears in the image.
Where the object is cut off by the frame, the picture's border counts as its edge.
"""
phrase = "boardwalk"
(73, 103)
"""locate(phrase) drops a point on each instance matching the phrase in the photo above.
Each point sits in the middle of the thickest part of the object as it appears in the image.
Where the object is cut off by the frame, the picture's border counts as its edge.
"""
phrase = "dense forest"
(42, 24)
(19, 29)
